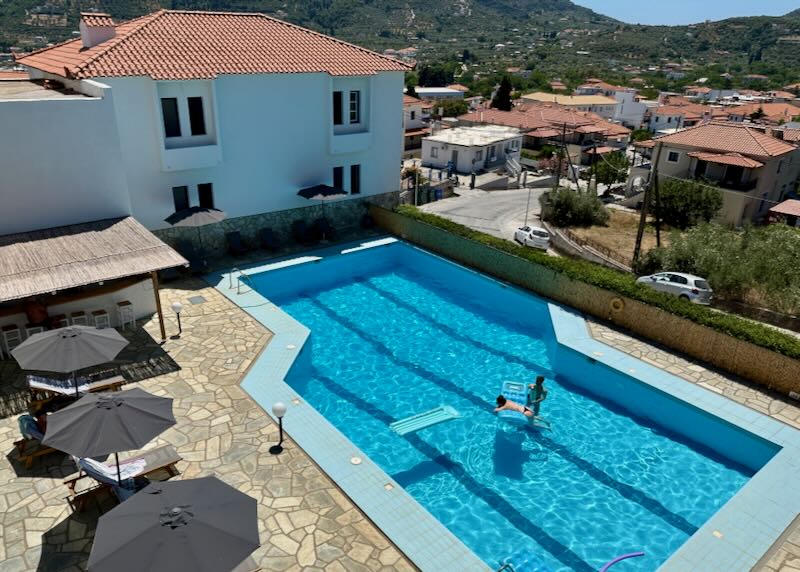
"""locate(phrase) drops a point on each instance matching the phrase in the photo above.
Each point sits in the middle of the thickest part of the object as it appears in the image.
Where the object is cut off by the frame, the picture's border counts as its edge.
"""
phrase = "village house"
(472, 149)
(752, 168)
(603, 106)
(416, 119)
(768, 113)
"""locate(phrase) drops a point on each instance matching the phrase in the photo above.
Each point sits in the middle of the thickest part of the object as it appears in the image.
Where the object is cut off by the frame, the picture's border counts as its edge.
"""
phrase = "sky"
(671, 12)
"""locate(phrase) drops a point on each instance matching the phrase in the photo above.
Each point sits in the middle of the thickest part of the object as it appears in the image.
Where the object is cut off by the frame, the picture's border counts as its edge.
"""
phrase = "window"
(180, 196)
(337, 108)
(677, 279)
(479, 155)
(669, 119)
(197, 120)
(673, 156)
(435, 152)
(355, 179)
(205, 192)
(172, 123)
(338, 177)
(355, 107)
(413, 115)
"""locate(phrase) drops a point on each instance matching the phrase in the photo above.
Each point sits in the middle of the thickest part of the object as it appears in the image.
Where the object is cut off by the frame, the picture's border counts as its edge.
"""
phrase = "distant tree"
(641, 135)
(757, 114)
(452, 107)
(612, 168)
(685, 203)
(411, 90)
(502, 99)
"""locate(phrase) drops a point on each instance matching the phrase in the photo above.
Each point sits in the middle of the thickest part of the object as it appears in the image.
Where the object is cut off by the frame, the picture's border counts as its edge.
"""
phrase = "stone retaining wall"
(770, 369)
(342, 214)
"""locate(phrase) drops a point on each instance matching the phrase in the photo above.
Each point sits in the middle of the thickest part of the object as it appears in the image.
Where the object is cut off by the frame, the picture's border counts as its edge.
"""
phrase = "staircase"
(513, 167)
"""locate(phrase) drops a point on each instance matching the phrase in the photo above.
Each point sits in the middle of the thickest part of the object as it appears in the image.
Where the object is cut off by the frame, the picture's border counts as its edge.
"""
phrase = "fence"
(596, 246)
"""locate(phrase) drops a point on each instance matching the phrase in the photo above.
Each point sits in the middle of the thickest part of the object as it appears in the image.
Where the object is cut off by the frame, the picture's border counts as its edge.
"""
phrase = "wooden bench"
(30, 449)
(163, 458)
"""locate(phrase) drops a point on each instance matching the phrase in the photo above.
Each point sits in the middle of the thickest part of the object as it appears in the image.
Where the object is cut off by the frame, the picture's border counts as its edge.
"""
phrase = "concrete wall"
(60, 161)
(274, 135)
(767, 368)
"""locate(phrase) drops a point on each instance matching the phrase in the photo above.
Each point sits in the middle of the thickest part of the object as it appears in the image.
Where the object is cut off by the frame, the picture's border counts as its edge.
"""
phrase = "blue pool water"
(396, 332)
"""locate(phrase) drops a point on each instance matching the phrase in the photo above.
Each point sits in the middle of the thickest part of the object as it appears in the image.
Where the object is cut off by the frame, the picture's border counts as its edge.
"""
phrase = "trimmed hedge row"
(625, 285)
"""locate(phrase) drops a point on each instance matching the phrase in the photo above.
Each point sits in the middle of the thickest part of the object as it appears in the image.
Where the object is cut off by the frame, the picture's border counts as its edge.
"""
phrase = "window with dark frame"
(413, 115)
(337, 108)
(172, 122)
(338, 177)
(205, 192)
(197, 120)
(180, 196)
(355, 179)
(673, 156)
(355, 107)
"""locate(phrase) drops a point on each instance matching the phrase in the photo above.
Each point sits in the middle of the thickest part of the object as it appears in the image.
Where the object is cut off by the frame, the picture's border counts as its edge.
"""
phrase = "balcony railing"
(743, 186)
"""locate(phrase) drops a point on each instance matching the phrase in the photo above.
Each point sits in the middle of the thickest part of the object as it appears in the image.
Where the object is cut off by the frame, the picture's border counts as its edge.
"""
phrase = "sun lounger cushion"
(108, 474)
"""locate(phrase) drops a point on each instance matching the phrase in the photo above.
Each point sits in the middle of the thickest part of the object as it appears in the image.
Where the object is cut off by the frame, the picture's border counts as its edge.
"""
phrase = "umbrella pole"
(75, 381)
(119, 475)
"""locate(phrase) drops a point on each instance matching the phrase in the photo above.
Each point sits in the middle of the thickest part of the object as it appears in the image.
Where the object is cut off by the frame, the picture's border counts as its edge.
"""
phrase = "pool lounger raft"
(514, 391)
(423, 420)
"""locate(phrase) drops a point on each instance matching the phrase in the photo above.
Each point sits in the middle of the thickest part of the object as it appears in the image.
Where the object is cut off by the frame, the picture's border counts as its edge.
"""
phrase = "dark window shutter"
(355, 179)
(197, 120)
(337, 107)
(172, 123)
(180, 195)
(205, 192)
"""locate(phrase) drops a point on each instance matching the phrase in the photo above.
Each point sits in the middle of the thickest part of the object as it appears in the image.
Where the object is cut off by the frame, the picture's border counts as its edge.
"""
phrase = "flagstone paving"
(784, 556)
(306, 523)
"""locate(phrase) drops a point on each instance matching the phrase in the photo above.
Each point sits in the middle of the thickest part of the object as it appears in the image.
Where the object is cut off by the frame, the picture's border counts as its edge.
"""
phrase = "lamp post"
(279, 409)
(177, 307)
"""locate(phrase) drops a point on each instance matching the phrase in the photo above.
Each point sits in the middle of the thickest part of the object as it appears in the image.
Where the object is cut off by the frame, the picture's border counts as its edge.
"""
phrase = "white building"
(603, 106)
(439, 93)
(471, 149)
(268, 109)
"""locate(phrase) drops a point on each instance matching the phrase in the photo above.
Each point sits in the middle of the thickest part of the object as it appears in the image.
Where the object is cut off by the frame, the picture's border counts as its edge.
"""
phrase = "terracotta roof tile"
(734, 159)
(772, 111)
(729, 138)
(97, 19)
(789, 207)
(181, 45)
(522, 121)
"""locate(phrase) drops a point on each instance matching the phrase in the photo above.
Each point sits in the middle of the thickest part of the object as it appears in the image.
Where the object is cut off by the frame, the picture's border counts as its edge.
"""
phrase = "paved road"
(498, 213)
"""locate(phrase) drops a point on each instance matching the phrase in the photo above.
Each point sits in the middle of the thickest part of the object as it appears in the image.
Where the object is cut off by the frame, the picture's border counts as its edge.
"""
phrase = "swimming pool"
(396, 331)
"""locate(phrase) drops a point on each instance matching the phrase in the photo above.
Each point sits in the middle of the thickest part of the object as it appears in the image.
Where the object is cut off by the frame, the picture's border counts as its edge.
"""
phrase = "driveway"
(498, 213)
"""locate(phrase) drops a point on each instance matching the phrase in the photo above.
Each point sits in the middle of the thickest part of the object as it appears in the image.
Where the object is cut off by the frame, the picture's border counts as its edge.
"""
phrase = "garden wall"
(770, 369)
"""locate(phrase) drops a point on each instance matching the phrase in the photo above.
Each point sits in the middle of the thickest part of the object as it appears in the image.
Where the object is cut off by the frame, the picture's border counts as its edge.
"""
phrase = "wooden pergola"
(107, 255)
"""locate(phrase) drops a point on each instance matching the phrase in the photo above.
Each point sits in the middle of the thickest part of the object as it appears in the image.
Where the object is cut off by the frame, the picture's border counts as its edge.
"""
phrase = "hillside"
(554, 37)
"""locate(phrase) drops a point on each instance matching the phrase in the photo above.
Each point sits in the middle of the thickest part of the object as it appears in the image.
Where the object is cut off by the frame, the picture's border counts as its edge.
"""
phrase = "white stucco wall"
(466, 154)
(629, 112)
(274, 136)
(60, 162)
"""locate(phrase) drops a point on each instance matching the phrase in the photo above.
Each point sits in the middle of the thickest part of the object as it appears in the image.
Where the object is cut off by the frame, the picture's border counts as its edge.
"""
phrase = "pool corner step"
(423, 420)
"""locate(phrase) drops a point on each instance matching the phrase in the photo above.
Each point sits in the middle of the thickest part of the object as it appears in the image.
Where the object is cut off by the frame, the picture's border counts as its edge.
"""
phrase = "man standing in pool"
(536, 394)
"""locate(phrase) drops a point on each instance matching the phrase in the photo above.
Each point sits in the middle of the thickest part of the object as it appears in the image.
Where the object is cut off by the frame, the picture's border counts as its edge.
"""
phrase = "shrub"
(612, 168)
(685, 203)
(625, 285)
(565, 207)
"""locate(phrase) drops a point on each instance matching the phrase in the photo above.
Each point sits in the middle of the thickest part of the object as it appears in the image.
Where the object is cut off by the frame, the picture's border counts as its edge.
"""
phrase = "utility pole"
(560, 155)
(645, 205)
(657, 189)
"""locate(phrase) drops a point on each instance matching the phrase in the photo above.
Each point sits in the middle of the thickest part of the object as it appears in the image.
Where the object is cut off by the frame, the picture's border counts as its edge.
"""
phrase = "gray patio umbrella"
(69, 349)
(197, 525)
(322, 193)
(196, 217)
(103, 423)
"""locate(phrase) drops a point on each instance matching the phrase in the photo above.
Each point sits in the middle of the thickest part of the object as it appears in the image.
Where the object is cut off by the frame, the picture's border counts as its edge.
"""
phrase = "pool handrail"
(620, 559)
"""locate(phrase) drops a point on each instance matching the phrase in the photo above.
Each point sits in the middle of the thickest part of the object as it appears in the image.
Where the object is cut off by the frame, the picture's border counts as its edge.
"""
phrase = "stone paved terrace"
(784, 556)
(305, 521)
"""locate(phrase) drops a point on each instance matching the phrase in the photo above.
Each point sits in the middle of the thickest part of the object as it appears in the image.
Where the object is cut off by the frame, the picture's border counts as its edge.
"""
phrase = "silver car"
(685, 286)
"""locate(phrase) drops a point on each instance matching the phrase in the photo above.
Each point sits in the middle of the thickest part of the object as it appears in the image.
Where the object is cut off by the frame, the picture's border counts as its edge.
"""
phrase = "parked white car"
(534, 236)
(685, 286)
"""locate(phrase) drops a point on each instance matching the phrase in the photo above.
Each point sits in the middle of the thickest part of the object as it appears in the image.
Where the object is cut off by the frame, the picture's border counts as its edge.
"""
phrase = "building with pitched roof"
(753, 168)
(769, 113)
(604, 106)
(232, 110)
(416, 121)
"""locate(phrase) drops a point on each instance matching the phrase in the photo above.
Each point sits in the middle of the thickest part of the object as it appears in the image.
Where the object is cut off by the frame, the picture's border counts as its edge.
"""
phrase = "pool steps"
(423, 420)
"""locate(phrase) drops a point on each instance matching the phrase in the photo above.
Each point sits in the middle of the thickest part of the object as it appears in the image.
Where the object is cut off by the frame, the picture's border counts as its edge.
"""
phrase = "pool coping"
(416, 533)
(744, 529)
(734, 538)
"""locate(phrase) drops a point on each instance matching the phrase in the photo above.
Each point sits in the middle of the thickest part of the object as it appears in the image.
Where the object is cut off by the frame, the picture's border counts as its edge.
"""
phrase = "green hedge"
(625, 285)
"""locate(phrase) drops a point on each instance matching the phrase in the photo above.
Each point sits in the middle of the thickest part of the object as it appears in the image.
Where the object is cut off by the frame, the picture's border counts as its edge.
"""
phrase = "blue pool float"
(518, 391)
(620, 559)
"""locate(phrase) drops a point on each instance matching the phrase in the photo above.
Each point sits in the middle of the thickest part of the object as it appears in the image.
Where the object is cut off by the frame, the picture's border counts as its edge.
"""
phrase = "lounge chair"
(301, 233)
(197, 263)
(323, 230)
(30, 446)
(235, 245)
(268, 239)
(143, 465)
